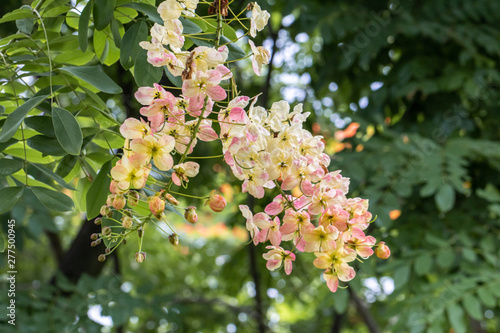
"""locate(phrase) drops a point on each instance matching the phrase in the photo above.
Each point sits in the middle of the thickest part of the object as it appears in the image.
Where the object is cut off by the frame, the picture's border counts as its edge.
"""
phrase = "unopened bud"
(216, 202)
(94, 236)
(106, 231)
(190, 215)
(109, 200)
(107, 251)
(140, 257)
(173, 239)
(140, 232)
(156, 205)
(93, 244)
(119, 201)
(97, 242)
(102, 257)
(127, 222)
(105, 210)
(124, 241)
(133, 198)
(171, 199)
(382, 251)
(98, 221)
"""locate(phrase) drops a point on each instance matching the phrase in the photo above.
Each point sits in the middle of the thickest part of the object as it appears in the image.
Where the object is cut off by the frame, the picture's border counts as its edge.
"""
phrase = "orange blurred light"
(394, 214)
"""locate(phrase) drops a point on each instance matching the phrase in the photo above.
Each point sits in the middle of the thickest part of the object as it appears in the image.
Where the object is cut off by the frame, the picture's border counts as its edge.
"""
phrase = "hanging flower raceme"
(268, 150)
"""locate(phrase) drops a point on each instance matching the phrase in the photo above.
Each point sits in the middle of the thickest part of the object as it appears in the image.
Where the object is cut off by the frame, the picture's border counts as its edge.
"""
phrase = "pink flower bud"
(382, 251)
(109, 200)
(106, 211)
(140, 257)
(173, 239)
(119, 201)
(156, 205)
(171, 199)
(133, 198)
(127, 222)
(190, 215)
(216, 202)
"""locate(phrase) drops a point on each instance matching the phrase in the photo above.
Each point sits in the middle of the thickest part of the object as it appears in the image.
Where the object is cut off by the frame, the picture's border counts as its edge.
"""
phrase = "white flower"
(260, 57)
(259, 19)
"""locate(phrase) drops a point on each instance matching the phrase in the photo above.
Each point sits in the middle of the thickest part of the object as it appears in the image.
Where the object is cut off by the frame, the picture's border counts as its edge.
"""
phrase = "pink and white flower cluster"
(270, 148)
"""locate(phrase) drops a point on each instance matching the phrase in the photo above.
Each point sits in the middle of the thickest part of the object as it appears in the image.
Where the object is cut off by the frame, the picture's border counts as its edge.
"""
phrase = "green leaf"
(67, 130)
(146, 9)
(445, 198)
(52, 199)
(46, 145)
(456, 317)
(98, 191)
(472, 306)
(130, 48)
(144, 73)
(423, 264)
(18, 14)
(445, 258)
(54, 176)
(469, 254)
(103, 13)
(401, 276)
(189, 27)
(9, 166)
(41, 124)
(66, 164)
(15, 119)
(9, 197)
(83, 26)
(25, 24)
(95, 76)
(115, 30)
(486, 297)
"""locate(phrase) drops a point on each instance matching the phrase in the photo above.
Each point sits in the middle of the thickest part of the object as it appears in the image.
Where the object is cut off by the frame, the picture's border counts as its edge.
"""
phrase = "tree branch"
(370, 322)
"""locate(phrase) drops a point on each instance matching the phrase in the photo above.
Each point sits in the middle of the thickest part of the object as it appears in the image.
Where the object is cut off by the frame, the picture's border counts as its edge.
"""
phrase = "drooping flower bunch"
(265, 149)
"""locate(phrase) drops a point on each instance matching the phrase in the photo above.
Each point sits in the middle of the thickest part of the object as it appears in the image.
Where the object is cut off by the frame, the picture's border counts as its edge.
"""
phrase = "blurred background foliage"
(406, 94)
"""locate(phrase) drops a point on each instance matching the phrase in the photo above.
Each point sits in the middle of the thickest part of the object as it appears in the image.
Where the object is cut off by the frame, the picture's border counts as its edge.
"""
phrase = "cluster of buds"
(267, 149)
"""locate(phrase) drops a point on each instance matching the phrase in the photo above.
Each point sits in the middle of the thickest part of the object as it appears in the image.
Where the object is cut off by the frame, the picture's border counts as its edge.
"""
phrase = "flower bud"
(133, 198)
(98, 221)
(140, 232)
(106, 231)
(105, 210)
(124, 241)
(216, 202)
(382, 251)
(93, 244)
(109, 200)
(101, 257)
(140, 257)
(97, 242)
(107, 251)
(94, 236)
(171, 199)
(173, 239)
(127, 222)
(190, 215)
(156, 205)
(119, 201)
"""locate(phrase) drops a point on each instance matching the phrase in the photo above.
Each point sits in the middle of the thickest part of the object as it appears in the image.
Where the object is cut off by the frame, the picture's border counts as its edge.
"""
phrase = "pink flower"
(277, 256)
(255, 233)
(363, 247)
(134, 128)
(260, 57)
(130, 172)
(157, 149)
(146, 95)
(183, 171)
(204, 84)
(270, 228)
(321, 239)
